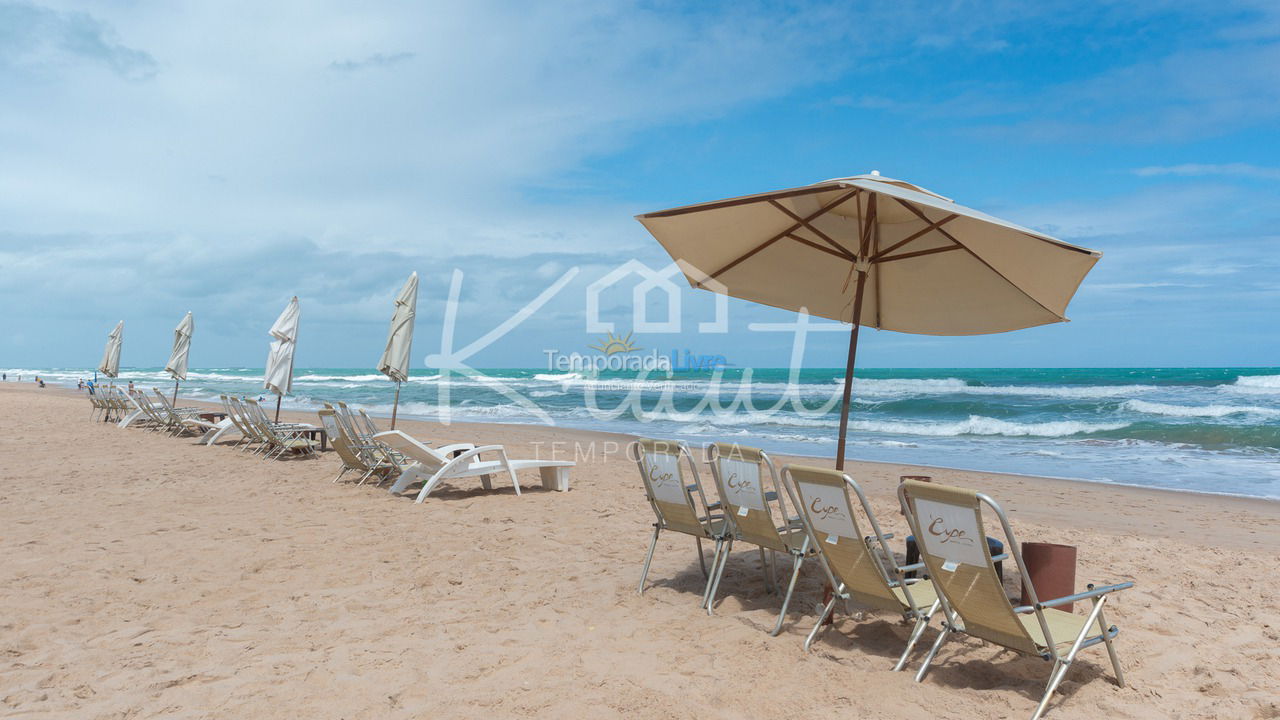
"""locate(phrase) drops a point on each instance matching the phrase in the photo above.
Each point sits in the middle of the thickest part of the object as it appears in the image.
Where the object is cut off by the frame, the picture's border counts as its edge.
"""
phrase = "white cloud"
(1244, 170)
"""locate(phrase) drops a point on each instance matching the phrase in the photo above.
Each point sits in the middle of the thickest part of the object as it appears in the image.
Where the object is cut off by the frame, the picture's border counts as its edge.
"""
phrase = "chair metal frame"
(700, 510)
(954, 620)
(738, 530)
(890, 573)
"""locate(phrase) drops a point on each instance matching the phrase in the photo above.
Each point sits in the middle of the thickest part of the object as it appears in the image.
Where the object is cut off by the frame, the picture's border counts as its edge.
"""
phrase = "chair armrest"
(1092, 592)
(911, 568)
(456, 447)
(474, 452)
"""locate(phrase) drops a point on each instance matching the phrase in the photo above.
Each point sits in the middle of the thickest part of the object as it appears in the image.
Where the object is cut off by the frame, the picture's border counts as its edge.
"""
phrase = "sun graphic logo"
(613, 344)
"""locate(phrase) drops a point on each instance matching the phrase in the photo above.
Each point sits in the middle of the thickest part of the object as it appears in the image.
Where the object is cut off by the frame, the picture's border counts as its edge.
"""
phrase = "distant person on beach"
(81, 385)
(130, 387)
(6, 376)
(40, 381)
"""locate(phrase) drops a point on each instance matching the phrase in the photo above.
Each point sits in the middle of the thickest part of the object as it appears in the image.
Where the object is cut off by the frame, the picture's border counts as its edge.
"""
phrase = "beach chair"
(947, 523)
(752, 512)
(248, 427)
(184, 419)
(221, 427)
(376, 457)
(861, 568)
(280, 438)
(679, 503)
(433, 466)
(353, 459)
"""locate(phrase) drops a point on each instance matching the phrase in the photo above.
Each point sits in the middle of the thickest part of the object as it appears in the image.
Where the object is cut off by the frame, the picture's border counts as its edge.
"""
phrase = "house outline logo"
(660, 280)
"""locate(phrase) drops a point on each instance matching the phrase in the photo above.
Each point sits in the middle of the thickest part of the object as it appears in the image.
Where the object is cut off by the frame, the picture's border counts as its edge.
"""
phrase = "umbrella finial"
(876, 173)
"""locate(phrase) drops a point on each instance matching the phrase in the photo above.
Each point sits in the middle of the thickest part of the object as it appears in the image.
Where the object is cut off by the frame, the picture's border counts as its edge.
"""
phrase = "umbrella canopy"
(395, 356)
(110, 365)
(279, 375)
(177, 365)
(874, 251)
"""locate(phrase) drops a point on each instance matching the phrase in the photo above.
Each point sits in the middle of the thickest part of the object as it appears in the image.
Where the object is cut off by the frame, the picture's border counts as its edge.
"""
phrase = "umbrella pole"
(175, 393)
(848, 371)
(827, 591)
(396, 406)
(278, 399)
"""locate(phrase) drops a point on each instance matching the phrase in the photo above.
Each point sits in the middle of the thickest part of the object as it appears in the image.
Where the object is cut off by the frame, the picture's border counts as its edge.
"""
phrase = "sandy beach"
(145, 577)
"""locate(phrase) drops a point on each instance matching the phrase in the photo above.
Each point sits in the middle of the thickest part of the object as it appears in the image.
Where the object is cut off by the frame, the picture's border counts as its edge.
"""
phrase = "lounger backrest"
(164, 401)
(740, 474)
(823, 496)
(338, 439)
(234, 415)
(344, 422)
(245, 422)
(428, 458)
(368, 423)
(667, 482)
(947, 524)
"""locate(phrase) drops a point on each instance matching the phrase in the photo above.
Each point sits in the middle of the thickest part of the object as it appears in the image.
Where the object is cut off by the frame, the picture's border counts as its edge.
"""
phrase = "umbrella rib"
(979, 258)
(816, 246)
(918, 253)
(826, 208)
(932, 226)
(808, 226)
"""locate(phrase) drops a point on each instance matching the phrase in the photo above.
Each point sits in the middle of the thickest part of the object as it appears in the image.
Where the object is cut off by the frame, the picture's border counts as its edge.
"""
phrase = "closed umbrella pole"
(110, 365)
(394, 362)
(177, 365)
(278, 377)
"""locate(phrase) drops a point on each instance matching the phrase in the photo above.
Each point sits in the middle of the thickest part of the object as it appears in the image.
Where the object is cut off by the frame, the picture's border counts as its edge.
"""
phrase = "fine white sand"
(144, 576)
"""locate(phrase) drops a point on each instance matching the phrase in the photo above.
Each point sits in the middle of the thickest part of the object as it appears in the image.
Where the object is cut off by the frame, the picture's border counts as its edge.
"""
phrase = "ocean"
(1211, 430)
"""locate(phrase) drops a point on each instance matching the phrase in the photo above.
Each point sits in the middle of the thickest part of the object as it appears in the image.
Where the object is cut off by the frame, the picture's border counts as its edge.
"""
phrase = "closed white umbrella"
(110, 365)
(869, 250)
(279, 375)
(177, 365)
(395, 356)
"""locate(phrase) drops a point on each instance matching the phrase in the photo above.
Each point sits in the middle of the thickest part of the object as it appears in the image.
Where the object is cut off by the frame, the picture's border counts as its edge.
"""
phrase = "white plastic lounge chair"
(860, 568)
(433, 466)
(222, 427)
(753, 512)
(947, 523)
(679, 503)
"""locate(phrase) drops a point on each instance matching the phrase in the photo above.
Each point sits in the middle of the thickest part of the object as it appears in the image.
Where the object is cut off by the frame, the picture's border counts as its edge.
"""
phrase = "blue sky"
(221, 157)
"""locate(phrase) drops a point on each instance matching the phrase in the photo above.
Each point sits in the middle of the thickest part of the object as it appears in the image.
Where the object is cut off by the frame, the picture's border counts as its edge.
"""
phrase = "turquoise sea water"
(1201, 429)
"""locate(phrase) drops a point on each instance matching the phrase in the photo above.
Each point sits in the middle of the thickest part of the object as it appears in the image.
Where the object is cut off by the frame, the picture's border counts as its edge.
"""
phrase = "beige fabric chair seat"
(922, 592)
(1063, 625)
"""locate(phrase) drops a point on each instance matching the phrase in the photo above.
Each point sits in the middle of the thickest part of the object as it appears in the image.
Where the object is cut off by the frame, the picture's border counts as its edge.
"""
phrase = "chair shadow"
(456, 492)
(883, 635)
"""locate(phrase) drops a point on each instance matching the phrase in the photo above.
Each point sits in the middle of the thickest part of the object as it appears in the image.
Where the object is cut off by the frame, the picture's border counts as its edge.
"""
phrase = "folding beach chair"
(752, 512)
(351, 456)
(676, 496)
(280, 437)
(947, 523)
(378, 458)
(861, 568)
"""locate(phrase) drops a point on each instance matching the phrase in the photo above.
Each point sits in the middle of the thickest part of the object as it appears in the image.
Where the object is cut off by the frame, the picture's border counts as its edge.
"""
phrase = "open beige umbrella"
(395, 356)
(177, 365)
(878, 252)
(278, 377)
(110, 365)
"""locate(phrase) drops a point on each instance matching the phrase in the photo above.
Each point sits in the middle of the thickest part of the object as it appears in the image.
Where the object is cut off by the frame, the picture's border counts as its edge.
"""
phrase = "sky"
(222, 157)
